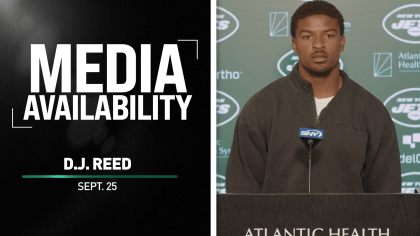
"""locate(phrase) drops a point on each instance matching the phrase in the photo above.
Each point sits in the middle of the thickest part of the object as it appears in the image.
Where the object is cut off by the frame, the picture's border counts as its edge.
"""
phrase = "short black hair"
(317, 7)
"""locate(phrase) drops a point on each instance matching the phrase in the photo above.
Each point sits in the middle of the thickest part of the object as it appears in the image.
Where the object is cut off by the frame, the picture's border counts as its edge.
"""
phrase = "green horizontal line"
(99, 176)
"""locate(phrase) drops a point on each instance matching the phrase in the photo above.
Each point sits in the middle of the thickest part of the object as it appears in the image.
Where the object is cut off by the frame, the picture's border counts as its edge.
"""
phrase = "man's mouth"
(319, 56)
(319, 59)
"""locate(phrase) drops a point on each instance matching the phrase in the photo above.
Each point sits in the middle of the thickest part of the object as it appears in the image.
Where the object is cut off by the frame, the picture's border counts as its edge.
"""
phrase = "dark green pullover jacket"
(359, 152)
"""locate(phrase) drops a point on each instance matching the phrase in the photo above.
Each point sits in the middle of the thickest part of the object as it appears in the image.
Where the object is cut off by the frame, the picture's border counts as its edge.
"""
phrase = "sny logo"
(311, 133)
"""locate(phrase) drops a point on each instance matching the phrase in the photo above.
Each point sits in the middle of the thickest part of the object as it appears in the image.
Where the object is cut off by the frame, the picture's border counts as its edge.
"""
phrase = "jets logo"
(403, 23)
(221, 185)
(404, 107)
(410, 181)
(227, 24)
(227, 108)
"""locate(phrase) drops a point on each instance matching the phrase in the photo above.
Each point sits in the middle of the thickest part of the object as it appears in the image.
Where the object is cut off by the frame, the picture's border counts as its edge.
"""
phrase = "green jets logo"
(227, 24)
(403, 23)
(404, 107)
(410, 181)
(227, 108)
(220, 184)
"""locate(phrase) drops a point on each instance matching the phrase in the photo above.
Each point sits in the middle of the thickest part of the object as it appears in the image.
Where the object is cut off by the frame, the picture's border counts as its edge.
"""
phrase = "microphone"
(310, 134)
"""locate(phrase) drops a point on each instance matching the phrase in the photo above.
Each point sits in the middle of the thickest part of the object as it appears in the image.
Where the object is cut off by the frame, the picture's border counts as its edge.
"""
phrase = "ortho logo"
(410, 181)
(382, 64)
(411, 140)
(404, 107)
(228, 75)
(227, 108)
(287, 61)
(227, 24)
(403, 23)
(279, 24)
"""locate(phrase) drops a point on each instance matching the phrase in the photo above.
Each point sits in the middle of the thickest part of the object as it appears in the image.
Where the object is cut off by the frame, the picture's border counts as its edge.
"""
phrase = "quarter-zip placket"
(316, 119)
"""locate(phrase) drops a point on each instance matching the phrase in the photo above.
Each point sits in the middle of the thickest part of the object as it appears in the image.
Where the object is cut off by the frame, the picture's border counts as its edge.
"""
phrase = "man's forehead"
(320, 22)
(317, 16)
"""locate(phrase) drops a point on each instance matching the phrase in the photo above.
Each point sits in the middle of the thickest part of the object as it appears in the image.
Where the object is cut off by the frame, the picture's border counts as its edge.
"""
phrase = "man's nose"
(319, 42)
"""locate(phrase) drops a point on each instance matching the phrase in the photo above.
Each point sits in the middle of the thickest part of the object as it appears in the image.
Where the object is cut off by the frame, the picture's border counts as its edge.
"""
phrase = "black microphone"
(310, 142)
(310, 134)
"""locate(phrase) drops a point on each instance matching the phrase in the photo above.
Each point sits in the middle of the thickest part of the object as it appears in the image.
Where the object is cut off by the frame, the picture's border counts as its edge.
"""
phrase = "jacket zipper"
(316, 118)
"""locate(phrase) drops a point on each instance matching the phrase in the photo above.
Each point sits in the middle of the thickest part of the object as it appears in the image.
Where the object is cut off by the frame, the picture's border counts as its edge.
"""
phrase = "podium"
(318, 214)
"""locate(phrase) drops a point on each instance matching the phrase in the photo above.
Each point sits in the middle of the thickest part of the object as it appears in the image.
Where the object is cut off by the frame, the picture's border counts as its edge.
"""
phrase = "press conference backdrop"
(382, 54)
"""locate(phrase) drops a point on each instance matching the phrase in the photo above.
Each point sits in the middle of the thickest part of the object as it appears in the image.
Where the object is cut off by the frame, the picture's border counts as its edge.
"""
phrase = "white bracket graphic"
(196, 40)
(19, 127)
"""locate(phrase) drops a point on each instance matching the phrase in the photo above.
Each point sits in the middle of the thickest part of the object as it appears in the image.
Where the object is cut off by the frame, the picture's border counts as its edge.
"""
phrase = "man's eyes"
(329, 36)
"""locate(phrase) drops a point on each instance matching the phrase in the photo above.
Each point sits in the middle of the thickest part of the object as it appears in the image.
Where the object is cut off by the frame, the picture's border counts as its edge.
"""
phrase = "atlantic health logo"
(403, 23)
(382, 64)
(279, 24)
(227, 108)
(410, 181)
(222, 152)
(227, 24)
(287, 61)
(404, 107)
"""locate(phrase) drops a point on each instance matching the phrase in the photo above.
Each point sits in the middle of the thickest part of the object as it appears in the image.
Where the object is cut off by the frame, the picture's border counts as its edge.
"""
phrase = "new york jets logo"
(221, 185)
(403, 23)
(227, 108)
(227, 24)
(410, 181)
(404, 107)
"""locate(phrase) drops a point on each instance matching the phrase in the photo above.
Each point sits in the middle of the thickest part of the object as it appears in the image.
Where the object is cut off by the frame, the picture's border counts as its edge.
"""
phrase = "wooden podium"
(318, 214)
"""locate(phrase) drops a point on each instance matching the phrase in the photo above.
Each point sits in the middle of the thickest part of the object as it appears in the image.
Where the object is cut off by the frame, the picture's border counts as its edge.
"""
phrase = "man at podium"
(314, 130)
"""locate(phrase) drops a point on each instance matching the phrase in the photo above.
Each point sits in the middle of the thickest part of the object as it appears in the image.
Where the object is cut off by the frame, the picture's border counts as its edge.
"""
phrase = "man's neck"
(324, 87)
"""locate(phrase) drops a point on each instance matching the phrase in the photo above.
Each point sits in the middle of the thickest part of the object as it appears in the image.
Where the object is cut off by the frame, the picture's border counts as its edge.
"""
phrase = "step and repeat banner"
(382, 54)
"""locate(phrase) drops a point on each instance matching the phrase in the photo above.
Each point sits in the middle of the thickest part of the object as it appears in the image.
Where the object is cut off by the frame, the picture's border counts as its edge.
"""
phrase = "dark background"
(139, 206)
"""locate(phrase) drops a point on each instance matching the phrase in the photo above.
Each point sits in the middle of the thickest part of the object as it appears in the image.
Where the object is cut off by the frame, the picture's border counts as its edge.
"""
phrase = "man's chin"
(320, 70)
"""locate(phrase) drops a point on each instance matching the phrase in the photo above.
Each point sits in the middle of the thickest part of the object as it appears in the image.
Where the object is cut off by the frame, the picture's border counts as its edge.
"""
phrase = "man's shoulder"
(369, 104)
(363, 96)
(262, 102)
(271, 91)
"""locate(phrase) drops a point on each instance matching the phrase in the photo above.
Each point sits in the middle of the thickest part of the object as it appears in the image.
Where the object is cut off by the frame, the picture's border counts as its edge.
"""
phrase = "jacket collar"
(304, 86)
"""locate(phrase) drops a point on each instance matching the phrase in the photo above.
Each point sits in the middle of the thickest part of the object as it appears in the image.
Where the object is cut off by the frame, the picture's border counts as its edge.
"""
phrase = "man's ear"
(342, 42)
(294, 45)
